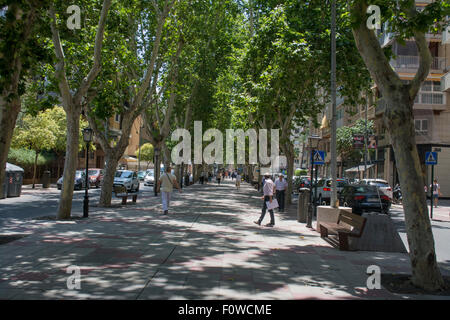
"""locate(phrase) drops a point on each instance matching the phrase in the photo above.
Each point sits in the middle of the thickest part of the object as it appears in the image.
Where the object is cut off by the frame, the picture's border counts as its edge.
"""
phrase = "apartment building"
(431, 112)
(129, 160)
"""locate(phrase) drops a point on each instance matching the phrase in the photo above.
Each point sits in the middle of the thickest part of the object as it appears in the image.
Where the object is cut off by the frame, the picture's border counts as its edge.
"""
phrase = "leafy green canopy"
(344, 140)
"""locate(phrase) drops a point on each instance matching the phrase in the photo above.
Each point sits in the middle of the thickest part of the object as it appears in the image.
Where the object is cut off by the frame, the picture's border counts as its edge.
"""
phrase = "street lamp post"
(313, 143)
(156, 170)
(87, 137)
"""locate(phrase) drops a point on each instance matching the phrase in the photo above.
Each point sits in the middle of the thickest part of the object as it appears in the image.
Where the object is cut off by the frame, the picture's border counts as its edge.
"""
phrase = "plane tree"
(20, 50)
(403, 22)
(128, 79)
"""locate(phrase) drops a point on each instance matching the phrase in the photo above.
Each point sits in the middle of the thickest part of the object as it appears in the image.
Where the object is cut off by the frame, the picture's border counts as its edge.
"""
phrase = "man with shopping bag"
(269, 202)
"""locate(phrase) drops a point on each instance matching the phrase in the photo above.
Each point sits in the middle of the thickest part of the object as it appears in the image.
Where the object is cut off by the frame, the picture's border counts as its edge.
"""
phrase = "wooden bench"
(121, 192)
(348, 225)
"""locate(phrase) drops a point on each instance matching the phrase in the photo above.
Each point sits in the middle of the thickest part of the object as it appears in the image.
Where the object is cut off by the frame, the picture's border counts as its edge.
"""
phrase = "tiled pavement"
(207, 248)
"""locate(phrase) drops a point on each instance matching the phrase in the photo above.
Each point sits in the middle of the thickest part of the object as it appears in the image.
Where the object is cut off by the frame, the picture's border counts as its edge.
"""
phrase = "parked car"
(95, 177)
(300, 182)
(382, 184)
(364, 198)
(149, 179)
(80, 180)
(141, 175)
(128, 179)
(324, 189)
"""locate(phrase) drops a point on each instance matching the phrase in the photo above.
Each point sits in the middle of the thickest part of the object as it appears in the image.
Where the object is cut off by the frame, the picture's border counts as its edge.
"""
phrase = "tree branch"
(60, 67)
(87, 81)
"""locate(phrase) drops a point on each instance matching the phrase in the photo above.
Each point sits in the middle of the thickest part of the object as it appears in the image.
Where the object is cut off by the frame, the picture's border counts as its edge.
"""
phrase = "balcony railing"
(435, 98)
(424, 100)
(412, 62)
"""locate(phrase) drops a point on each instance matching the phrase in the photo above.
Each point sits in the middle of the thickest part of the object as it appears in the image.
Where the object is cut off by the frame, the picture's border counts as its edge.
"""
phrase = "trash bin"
(15, 180)
(46, 180)
(302, 206)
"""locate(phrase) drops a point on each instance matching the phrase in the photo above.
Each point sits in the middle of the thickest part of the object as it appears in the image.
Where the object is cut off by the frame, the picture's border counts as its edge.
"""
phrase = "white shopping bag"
(273, 205)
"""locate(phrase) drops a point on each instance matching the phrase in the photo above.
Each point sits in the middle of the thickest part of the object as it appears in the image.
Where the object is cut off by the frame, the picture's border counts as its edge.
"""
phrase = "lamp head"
(87, 135)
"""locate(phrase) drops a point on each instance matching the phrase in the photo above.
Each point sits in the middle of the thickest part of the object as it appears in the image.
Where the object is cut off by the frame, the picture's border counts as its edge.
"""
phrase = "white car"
(149, 179)
(383, 186)
(128, 179)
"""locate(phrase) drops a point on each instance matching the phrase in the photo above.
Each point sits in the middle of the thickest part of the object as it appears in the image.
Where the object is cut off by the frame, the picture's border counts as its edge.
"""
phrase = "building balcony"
(435, 101)
(411, 64)
(431, 101)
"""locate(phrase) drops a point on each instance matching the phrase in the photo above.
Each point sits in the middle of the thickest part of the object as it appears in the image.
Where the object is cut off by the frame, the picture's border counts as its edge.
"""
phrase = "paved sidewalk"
(207, 248)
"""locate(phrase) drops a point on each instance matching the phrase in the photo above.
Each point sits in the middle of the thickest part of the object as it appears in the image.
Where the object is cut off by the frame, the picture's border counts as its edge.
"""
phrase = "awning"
(359, 168)
(129, 159)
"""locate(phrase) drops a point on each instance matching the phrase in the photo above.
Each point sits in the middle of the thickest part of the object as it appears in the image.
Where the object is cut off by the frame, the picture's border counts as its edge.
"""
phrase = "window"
(421, 126)
(117, 118)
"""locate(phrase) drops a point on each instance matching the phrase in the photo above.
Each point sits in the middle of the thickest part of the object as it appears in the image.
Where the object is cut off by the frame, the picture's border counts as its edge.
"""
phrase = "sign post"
(431, 160)
(318, 159)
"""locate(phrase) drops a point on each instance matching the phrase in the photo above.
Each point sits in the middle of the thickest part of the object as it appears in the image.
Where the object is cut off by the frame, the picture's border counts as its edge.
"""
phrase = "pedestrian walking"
(238, 181)
(165, 184)
(436, 192)
(281, 187)
(267, 197)
(219, 177)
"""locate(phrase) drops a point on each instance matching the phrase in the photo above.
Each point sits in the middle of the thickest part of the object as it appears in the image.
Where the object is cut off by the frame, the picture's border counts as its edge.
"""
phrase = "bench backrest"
(351, 219)
(119, 189)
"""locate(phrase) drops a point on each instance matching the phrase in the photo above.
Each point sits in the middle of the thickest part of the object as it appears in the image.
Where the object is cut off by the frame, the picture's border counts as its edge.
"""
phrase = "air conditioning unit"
(445, 82)
(446, 36)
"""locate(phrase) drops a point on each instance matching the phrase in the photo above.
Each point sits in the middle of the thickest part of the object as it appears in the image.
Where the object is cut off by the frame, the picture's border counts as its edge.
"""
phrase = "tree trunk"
(289, 153)
(34, 169)
(398, 118)
(108, 178)
(70, 163)
(8, 116)
(426, 273)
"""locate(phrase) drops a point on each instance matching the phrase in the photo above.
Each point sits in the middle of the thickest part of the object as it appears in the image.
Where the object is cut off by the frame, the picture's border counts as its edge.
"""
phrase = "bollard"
(302, 206)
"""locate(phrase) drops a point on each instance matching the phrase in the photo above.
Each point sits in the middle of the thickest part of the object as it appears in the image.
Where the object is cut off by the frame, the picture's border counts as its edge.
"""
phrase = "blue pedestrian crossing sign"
(319, 157)
(431, 158)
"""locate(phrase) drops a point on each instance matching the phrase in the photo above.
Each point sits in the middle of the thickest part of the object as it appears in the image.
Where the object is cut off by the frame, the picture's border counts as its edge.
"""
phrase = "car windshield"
(92, 172)
(78, 174)
(365, 189)
(124, 174)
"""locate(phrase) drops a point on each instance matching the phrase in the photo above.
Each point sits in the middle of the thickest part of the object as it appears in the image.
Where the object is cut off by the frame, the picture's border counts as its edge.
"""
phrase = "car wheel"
(345, 204)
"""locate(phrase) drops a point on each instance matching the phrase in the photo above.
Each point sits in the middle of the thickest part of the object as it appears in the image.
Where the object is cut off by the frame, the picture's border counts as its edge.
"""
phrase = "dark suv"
(364, 198)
